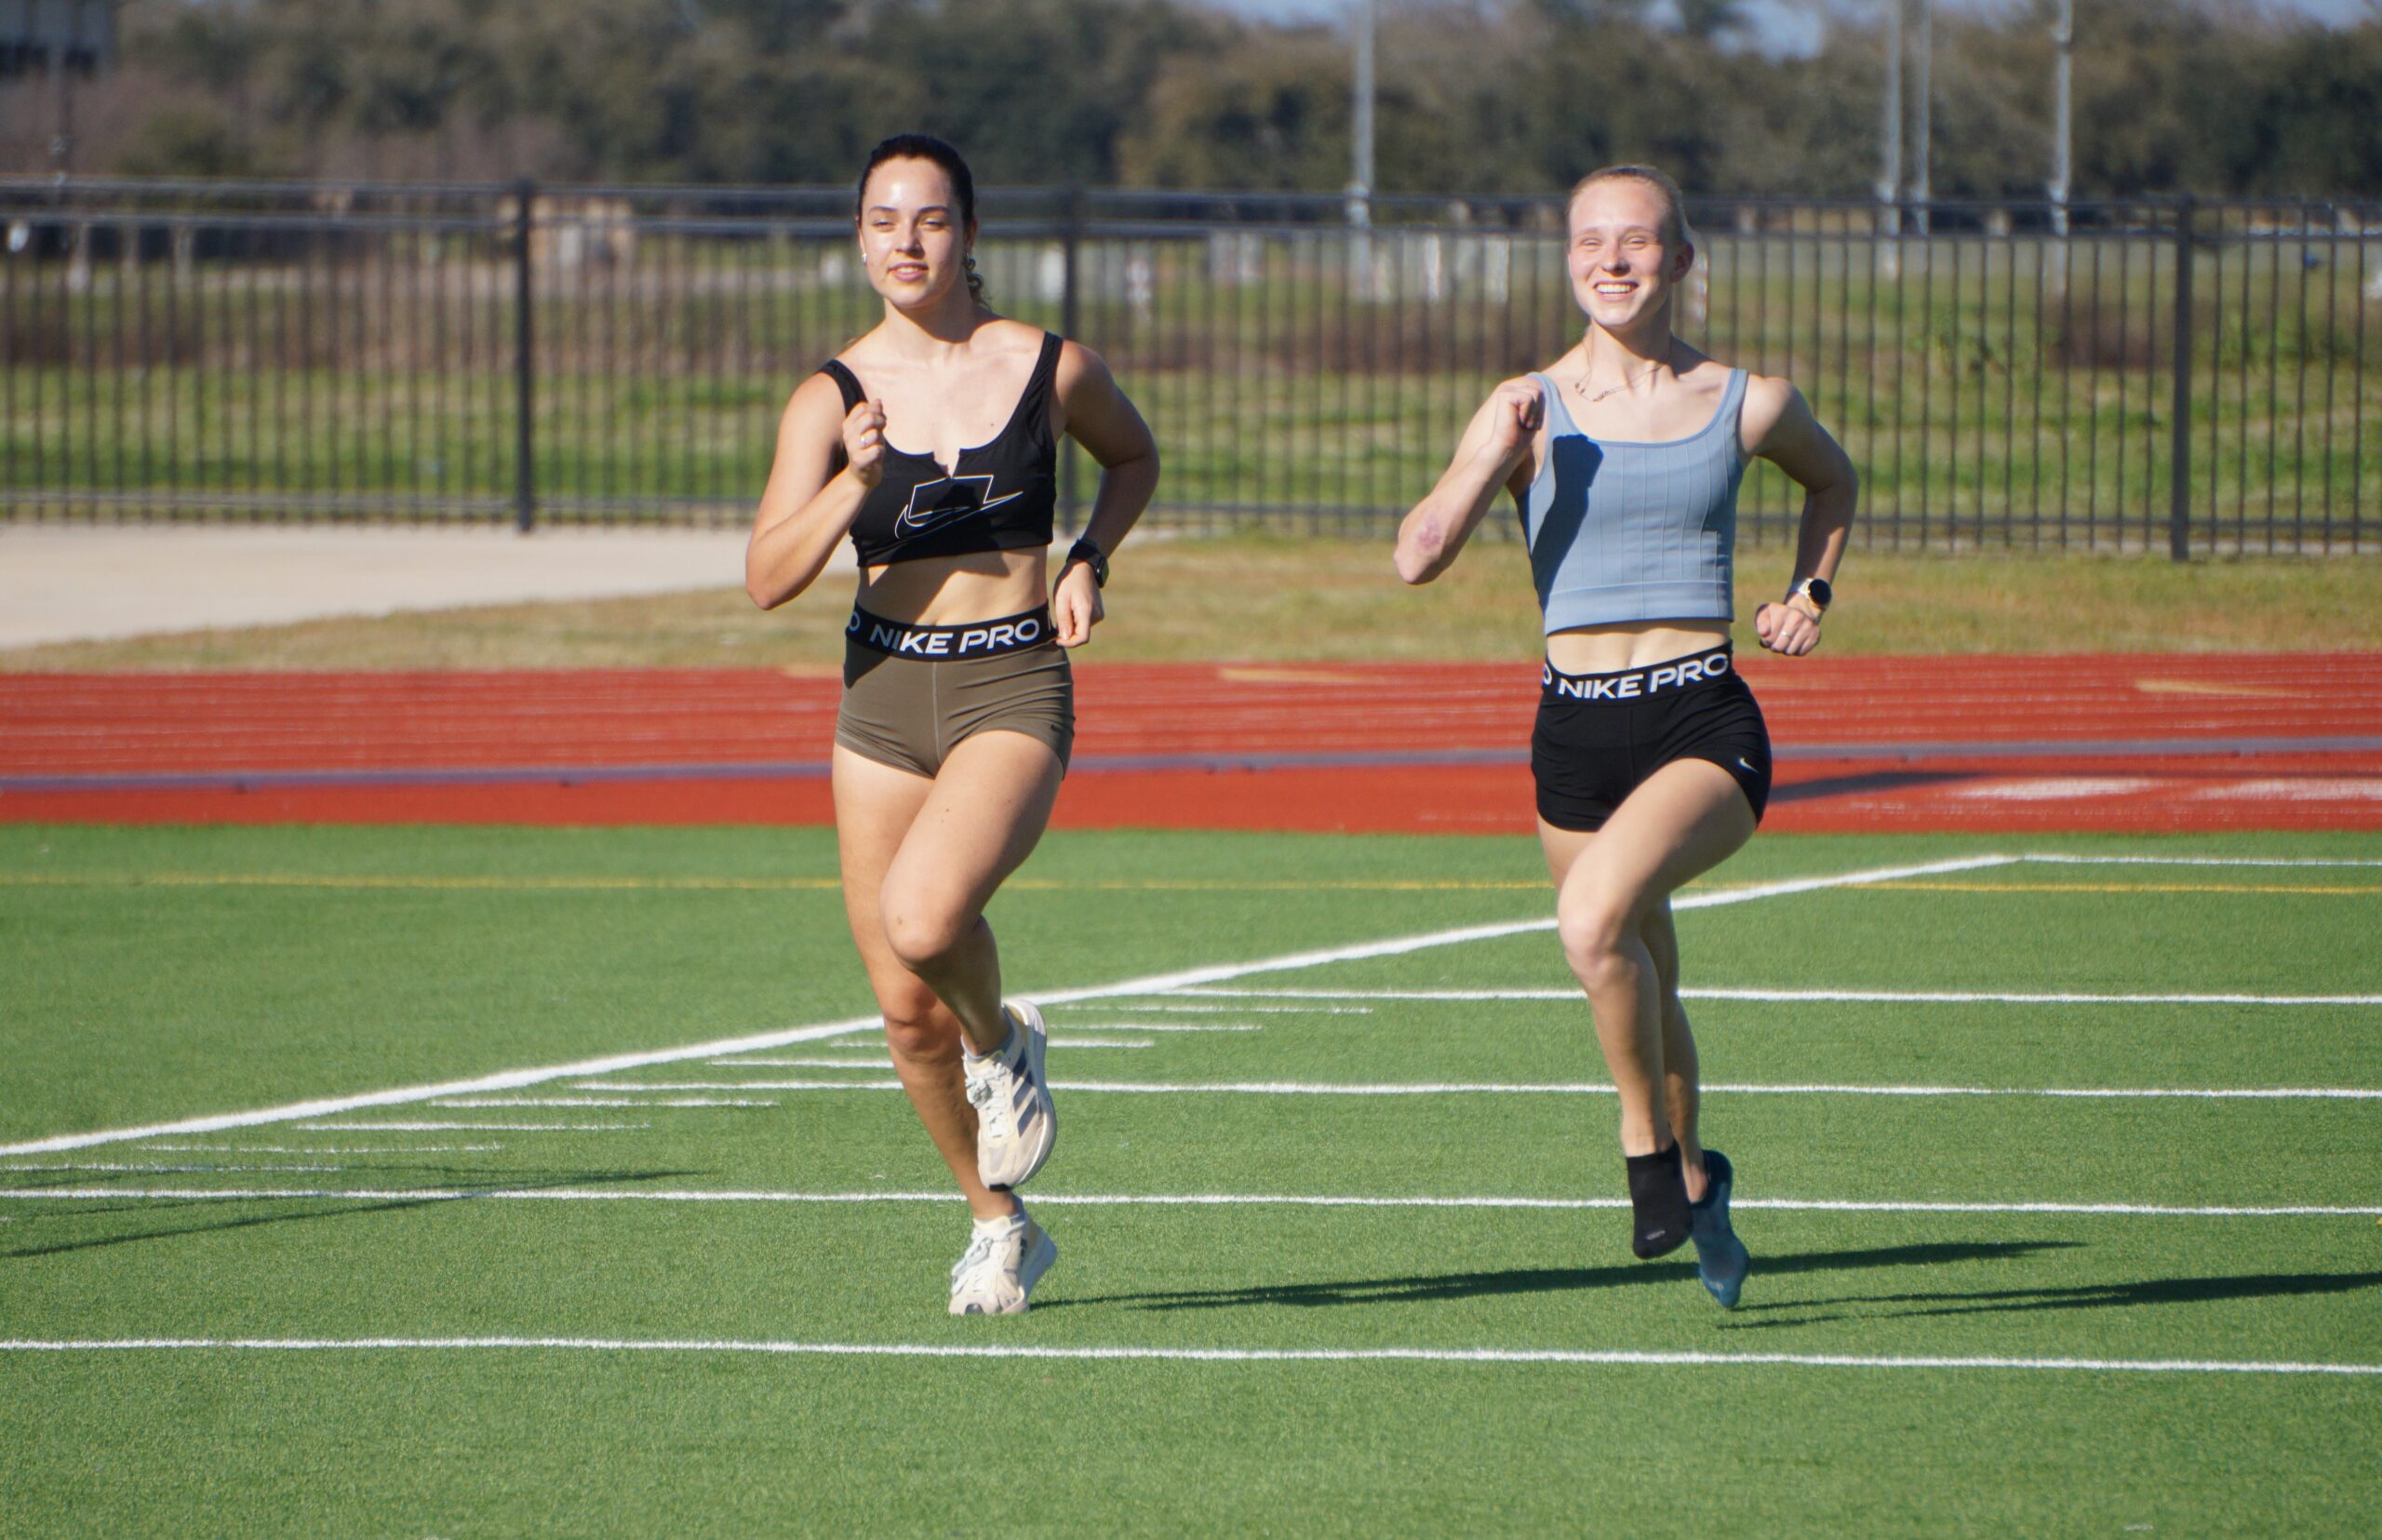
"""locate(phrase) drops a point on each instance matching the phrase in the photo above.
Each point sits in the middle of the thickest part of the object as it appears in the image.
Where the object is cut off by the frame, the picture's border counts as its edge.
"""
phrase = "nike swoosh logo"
(916, 520)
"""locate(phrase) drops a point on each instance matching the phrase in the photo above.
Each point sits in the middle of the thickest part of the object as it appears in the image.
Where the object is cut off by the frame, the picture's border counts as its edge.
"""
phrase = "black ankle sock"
(1657, 1202)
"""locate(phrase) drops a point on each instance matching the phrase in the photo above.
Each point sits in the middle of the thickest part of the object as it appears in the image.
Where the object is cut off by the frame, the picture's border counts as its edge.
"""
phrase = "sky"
(1783, 26)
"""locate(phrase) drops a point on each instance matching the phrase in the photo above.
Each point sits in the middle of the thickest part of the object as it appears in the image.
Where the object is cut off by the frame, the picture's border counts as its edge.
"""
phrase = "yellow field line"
(732, 884)
(2117, 888)
(461, 883)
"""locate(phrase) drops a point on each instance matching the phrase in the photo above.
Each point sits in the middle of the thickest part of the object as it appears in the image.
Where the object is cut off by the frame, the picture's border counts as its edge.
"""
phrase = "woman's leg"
(1681, 1098)
(1612, 891)
(984, 813)
(879, 810)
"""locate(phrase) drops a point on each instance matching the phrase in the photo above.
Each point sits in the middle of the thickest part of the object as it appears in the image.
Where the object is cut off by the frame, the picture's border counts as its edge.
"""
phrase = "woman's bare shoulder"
(1770, 398)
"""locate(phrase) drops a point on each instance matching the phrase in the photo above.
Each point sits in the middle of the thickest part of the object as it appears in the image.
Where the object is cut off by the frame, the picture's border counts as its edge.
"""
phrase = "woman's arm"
(810, 503)
(1098, 416)
(1783, 431)
(1495, 452)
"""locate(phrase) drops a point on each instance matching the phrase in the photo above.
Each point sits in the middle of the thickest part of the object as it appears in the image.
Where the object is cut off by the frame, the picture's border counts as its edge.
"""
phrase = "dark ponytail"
(926, 147)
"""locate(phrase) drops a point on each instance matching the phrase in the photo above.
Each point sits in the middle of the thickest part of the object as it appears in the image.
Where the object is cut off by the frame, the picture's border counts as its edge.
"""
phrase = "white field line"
(598, 1101)
(1163, 1200)
(1492, 1088)
(1157, 983)
(1235, 1011)
(1164, 1027)
(143, 1166)
(1885, 996)
(2197, 861)
(871, 1057)
(876, 1061)
(321, 1149)
(492, 1128)
(1615, 1357)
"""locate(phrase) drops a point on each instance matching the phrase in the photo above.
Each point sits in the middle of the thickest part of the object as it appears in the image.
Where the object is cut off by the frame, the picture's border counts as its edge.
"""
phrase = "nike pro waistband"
(1635, 684)
(976, 639)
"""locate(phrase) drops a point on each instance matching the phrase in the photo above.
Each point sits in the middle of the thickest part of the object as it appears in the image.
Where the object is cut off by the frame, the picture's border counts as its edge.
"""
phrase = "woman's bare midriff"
(1631, 644)
(956, 590)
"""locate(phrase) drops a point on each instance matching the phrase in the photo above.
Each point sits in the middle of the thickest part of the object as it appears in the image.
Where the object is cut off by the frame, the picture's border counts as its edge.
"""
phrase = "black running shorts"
(1600, 735)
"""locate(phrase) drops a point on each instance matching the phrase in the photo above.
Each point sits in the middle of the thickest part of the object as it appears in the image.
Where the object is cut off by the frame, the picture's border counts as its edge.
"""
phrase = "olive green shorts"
(910, 713)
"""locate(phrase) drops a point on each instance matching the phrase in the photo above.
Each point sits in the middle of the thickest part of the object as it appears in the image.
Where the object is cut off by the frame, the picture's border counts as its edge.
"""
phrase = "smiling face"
(912, 240)
(1626, 252)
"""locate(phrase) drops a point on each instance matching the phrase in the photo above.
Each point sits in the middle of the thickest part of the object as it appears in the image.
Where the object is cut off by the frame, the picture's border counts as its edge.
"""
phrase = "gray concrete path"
(77, 584)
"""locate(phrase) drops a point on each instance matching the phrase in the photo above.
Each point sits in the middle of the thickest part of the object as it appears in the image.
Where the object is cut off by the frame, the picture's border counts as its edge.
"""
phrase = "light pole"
(2063, 39)
(1360, 179)
(1919, 149)
(1890, 123)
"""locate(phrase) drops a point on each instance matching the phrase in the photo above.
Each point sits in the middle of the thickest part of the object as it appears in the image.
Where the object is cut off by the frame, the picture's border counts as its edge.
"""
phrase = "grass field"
(1975, 1306)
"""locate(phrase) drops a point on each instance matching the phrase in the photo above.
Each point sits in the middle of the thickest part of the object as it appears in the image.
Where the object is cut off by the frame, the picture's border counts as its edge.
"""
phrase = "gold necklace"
(1613, 390)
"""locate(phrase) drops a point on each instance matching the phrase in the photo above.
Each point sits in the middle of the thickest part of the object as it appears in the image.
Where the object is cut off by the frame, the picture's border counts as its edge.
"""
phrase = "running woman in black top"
(932, 441)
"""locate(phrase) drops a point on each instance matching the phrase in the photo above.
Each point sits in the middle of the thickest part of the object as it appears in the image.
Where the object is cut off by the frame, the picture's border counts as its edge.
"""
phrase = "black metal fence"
(2157, 375)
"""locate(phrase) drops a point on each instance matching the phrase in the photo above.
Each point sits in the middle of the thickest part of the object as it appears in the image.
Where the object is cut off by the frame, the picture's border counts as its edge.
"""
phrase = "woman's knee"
(1599, 934)
(920, 930)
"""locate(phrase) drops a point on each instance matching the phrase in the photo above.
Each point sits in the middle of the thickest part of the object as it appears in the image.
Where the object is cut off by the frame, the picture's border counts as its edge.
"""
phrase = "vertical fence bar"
(525, 372)
(2179, 453)
(1071, 327)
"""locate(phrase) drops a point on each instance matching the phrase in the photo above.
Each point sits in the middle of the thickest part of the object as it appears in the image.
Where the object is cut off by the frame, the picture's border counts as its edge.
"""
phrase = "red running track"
(2080, 743)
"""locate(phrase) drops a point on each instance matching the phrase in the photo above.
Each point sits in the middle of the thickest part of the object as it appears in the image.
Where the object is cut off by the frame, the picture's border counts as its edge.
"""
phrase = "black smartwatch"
(1084, 550)
(1816, 590)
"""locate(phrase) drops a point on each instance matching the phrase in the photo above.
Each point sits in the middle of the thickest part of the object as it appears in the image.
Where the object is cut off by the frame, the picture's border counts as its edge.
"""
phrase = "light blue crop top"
(1626, 531)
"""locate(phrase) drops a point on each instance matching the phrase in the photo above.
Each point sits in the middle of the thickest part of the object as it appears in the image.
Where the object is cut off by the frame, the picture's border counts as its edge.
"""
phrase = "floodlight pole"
(1890, 123)
(1919, 193)
(2063, 40)
(1361, 180)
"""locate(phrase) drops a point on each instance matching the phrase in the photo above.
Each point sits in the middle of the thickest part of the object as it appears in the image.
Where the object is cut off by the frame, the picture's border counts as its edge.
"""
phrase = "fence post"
(525, 476)
(2179, 453)
(1070, 324)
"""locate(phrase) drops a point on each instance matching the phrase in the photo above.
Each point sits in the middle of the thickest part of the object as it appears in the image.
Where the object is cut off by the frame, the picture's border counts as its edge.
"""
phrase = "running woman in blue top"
(1651, 759)
(932, 442)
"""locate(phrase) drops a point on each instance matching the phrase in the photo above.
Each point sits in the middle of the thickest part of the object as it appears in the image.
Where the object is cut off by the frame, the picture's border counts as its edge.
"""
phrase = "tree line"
(2213, 96)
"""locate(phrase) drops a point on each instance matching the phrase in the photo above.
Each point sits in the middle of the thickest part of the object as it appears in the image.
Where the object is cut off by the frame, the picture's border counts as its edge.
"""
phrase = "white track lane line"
(1164, 1200)
(1492, 1088)
(1884, 997)
(1158, 984)
(1614, 1356)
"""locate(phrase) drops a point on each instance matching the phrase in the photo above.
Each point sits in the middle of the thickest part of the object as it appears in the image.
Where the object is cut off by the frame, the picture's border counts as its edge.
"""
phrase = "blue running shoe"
(1721, 1258)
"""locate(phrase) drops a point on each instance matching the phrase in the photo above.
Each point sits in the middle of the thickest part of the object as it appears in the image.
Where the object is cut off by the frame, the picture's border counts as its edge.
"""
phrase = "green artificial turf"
(155, 975)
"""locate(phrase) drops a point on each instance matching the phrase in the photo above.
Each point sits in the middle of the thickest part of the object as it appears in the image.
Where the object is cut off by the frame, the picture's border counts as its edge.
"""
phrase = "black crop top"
(998, 496)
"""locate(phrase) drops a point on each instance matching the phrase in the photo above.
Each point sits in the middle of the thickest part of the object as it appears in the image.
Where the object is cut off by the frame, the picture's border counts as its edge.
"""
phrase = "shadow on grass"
(2082, 1296)
(377, 1205)
(1540, 1280)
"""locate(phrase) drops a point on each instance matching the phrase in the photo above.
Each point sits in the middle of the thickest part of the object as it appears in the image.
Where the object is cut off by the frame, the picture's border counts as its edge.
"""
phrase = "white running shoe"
(1016, 1123)
(1004, 1259)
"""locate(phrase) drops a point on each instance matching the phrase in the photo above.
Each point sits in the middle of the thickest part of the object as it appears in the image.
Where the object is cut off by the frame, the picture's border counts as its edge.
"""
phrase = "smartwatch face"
(1822, 595)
